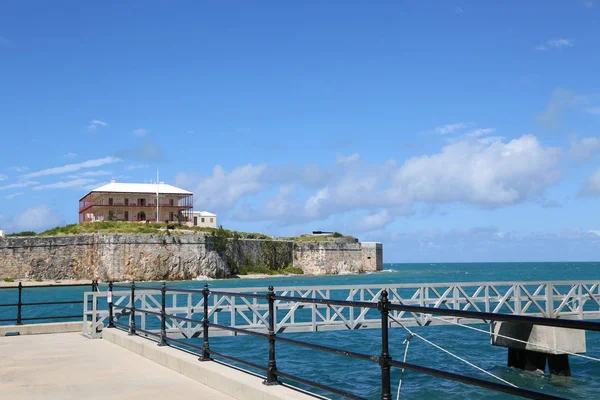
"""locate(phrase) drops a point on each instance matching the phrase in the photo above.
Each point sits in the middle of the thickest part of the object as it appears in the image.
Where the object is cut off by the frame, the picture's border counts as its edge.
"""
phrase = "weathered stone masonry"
(155, 257)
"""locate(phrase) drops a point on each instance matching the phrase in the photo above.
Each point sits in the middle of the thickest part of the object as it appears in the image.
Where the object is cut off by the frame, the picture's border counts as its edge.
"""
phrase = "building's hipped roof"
(163, 188)
(204, 213)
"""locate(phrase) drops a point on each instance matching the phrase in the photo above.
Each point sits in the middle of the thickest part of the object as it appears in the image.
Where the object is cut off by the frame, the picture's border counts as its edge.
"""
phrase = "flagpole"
(157, 198)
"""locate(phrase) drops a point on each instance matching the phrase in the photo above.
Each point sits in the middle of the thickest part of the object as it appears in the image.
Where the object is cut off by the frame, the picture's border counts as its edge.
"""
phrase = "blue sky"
(450, 131)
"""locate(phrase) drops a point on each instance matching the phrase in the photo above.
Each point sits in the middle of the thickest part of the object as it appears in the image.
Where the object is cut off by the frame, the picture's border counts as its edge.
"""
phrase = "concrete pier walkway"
(70, 366)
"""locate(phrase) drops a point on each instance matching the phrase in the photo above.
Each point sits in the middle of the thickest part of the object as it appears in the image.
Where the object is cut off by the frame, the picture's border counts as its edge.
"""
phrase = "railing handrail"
(251, 289)
(48, 285)
(384, 359)
(20, 303)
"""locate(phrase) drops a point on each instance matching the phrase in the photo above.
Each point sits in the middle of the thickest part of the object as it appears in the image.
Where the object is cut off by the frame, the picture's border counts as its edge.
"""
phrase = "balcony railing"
(87, 205)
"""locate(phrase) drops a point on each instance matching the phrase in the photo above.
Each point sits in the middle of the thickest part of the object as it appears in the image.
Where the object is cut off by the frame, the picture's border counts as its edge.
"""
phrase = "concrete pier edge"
(225, 379)
(40, 329)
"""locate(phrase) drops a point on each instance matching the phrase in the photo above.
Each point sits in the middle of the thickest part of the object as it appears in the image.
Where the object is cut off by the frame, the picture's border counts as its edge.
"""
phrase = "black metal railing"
(273, 373)
(21, 305)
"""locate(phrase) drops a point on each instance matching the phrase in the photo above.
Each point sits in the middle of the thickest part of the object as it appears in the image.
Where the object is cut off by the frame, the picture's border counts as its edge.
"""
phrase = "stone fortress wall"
(171, 257)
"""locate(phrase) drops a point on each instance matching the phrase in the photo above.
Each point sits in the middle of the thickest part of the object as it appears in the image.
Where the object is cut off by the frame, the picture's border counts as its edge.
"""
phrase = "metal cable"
(452, 354)
(407, 343)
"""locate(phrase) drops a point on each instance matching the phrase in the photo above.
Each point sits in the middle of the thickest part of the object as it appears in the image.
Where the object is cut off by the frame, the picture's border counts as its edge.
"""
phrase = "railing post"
(95, 301)
(132, 315)
(205, 347)
(19, 305)
(110, 305)
(384, 359)
(549, 301)
(272, 366)
(163, 315)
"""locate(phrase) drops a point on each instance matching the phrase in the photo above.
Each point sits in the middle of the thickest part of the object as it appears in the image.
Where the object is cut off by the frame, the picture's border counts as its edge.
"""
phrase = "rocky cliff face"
(170, 257)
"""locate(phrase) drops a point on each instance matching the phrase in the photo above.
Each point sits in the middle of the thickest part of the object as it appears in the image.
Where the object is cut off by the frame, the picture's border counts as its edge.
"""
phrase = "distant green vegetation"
(220, 235)
(146, 228)
(318, 238)
(261, 269)
(24, 233)
(105, 227)
(9, 280)
(293, 270)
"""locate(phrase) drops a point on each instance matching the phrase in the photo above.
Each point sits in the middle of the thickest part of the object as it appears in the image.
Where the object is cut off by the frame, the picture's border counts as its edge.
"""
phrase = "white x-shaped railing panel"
(561, 299)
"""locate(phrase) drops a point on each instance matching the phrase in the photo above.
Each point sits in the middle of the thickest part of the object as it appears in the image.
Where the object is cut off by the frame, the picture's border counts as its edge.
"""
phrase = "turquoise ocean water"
(362, 378)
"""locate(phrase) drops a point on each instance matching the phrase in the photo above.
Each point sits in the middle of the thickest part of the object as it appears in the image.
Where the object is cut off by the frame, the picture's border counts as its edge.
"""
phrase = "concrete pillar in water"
(545, 344)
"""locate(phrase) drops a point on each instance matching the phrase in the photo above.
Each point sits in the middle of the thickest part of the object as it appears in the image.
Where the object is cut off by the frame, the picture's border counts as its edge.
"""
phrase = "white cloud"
(347, 159)
(374, 221)
(584, 149)
(19, 185)
(450, 128)
(490, 140)
(478, 135)
(70, 155)
(140, 132)
(480, 132)
(73, 167)
(562, 100)
(19, 169)
(588, 4)
(222, 190)
(593, 110)
(490, 174)
(316, 202)
(459, 10)
(560, 43)
(64, 185)
(279, 206)
(90, 173)
(591, 188)
(12, 196)
(33, 219)
(94, 124)
(138, 166)
(3, 177)
(554, 44)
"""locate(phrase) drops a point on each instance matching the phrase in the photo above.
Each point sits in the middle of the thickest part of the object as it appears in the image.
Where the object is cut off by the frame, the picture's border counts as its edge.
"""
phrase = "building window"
(126, 201)
(202, 220)
(195, 221)
(141, 202)
(211, 220)
(110, 201)
(171, 203)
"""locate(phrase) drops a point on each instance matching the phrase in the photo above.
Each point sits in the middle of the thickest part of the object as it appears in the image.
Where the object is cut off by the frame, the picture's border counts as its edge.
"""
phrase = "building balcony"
(83, 206)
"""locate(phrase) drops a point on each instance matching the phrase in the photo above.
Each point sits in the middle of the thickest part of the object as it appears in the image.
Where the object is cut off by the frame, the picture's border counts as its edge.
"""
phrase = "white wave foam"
(203, 278)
